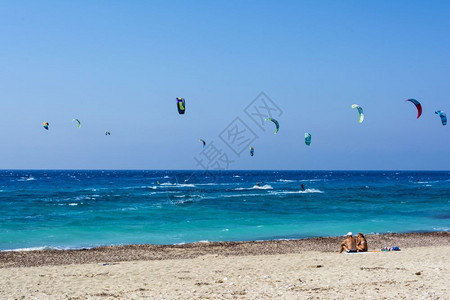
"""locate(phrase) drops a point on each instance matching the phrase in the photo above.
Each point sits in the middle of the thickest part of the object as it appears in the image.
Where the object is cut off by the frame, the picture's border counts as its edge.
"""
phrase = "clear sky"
(119, 65)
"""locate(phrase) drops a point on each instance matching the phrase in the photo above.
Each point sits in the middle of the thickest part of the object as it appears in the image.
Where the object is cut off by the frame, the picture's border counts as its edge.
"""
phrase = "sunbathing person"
(361, 243)
(349, 244)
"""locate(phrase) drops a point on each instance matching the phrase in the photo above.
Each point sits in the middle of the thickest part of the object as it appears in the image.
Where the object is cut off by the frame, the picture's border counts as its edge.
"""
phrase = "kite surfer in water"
(303, 187)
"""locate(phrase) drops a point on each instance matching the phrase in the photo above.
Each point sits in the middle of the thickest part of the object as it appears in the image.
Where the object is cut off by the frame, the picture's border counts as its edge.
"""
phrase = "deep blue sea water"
(75, 209)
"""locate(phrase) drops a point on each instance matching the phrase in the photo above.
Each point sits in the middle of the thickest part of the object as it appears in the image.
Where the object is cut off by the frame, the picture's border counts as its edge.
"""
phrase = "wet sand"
(297, 269)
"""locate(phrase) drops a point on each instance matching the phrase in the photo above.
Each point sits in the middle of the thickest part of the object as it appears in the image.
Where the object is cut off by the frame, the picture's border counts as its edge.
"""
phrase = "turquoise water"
(75, 209)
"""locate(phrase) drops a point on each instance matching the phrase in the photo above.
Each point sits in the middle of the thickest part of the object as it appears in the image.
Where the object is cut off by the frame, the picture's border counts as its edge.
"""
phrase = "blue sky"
(119, 65)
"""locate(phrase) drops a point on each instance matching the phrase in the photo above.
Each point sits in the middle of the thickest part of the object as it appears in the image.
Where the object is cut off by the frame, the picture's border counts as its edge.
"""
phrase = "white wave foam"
(73, 204)
(441, 228)
(255, 187)
(285, 180)
(307, 191)
(128, 208)
(236, 176)
(166, 177)
(312, 180)
(187, 201)
(33, 217)
(39, 249)
(186, 185)
(137, 187)
(91, 189)
(26, 179)
(428, 182)
(148, 187)
(262, 187)
(242, 195)
(178, 184)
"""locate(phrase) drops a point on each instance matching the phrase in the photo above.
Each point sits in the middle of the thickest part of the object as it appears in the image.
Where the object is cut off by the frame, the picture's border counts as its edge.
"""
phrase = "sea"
(73, 209)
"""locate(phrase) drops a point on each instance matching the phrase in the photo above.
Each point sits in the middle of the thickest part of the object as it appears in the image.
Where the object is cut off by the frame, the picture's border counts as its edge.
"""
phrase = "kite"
(275, 122)
(360, 111)
(418, 106)
(45, 125)
(307, 138)
(443, 116)
(107, 132)
(79, 123)
(181, 105)
(252, 151)
(203, 141)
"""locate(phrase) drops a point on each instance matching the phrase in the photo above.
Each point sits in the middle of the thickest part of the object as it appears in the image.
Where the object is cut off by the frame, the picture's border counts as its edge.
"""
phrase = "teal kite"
(203, 142)
(360, 111)
(307, 138)
(275, 122)
(443, 116)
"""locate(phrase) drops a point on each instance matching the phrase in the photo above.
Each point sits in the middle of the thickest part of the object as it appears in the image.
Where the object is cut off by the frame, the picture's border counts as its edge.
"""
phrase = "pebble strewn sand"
(413, 273)
(189, 251)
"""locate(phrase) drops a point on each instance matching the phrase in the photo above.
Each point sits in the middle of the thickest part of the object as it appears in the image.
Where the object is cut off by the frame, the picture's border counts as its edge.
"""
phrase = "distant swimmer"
(258, 183)
(303, 187)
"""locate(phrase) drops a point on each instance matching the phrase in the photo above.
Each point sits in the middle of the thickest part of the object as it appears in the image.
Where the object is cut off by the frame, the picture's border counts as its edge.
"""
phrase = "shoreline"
(149, 252)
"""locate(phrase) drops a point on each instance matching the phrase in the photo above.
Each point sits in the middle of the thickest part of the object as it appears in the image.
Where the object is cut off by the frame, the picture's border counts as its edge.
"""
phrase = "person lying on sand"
(349, 244)
(361, 243)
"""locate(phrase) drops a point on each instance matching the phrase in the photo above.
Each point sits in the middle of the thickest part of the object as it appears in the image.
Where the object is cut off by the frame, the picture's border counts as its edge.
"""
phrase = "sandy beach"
(245, 270)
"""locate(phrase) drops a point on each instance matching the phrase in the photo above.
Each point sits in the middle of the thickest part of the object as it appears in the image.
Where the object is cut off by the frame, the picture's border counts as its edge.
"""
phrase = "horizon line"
(237, 170)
